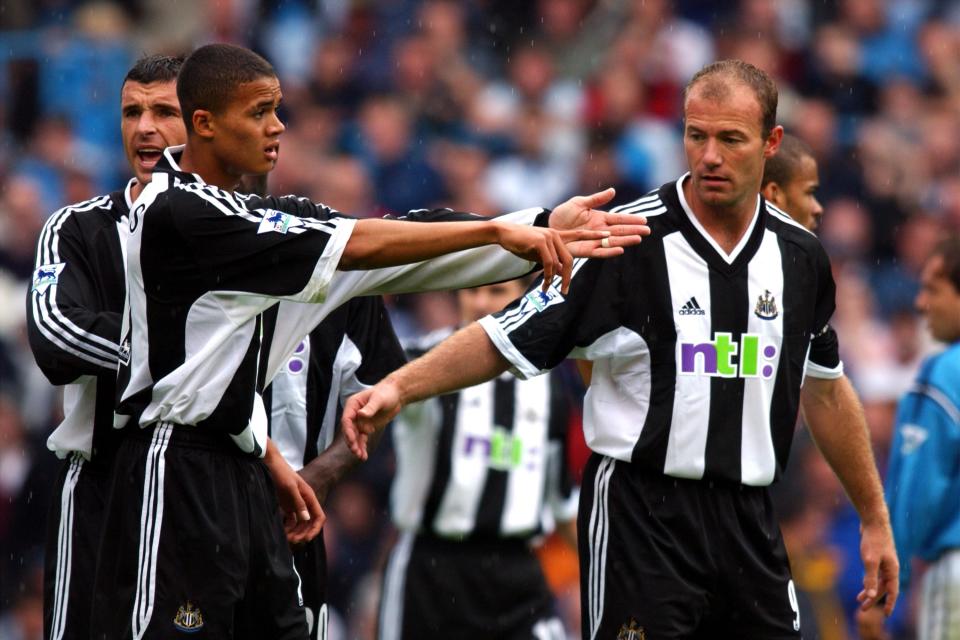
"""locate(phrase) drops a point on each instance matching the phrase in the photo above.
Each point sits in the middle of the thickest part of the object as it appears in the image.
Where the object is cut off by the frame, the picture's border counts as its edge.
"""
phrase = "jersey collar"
(729, 258)
(171, 162)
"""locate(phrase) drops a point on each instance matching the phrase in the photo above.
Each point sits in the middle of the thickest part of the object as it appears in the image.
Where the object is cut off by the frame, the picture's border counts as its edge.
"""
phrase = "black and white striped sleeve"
(69, 332)
(824, 358)
(539, 329)
(269, 247)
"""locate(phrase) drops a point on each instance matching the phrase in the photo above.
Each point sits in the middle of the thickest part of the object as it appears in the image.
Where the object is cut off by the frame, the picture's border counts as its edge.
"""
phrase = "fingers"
(625, 219)
(871, 570)
(550, 259)
(891, 585)
(566, 266)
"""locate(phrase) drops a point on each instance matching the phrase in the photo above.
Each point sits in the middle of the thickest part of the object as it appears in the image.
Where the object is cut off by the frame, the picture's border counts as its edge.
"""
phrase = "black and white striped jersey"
(74, 307)
(202, 266)
(353, 348)
(485, 462)
(698, 356)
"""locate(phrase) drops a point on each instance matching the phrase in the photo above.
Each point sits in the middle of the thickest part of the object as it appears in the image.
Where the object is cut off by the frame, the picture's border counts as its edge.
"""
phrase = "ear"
(771, 193)
(203, 123)
(772, 142)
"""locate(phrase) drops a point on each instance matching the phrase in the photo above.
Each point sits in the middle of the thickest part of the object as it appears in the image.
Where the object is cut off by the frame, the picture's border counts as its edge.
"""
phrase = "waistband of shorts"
(193, 437)
(645, 474)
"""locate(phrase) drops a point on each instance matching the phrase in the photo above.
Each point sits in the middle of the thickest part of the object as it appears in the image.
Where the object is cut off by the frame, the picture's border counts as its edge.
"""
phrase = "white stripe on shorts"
(151, 519)
(394, 586)
(599, 535)
(61, 583)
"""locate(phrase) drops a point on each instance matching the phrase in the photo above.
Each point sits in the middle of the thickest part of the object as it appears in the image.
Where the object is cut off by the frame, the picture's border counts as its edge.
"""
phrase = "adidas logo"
(692, 308)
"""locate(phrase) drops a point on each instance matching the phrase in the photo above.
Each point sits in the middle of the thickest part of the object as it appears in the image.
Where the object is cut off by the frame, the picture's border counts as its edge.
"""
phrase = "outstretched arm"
(465, 359)
(836, 422)
(590, 233)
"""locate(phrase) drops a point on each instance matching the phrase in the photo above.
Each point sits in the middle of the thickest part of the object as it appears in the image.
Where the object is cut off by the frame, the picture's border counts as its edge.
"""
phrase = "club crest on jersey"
(47, 275)
(188, 619)
(123, 354)
(277, 222)
(631, 631)
(913, 437)
(541, 299)
(766, 308)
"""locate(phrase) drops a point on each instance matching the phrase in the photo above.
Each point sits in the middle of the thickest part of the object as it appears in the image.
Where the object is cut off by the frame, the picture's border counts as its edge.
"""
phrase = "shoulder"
(941, 372)
(780, 222)
(98, 204)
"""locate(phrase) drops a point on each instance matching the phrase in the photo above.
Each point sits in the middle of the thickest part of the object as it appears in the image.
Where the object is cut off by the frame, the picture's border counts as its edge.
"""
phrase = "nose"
(817, 208)
(920, 302)
(146, 124)
(711, 153)
(276, 126)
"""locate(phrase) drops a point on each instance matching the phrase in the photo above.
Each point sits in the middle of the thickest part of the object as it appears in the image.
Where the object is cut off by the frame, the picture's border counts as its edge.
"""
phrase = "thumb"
(599, 198)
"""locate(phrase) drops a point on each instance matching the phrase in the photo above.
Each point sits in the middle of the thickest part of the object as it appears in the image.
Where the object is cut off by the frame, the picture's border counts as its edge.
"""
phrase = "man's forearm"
(326, 470)
(836, 421)
(377, 243)
(463, 360)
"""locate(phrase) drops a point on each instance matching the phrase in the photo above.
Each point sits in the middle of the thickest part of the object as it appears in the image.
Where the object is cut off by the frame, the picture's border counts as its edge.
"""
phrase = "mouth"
(713, 180)
(272, 151)
(149, 156)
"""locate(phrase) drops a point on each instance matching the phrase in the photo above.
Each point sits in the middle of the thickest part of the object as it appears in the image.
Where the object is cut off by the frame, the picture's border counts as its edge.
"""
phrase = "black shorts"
(193, 543)
(680, 558)
(73, 537)
(310, 560)
(436, 588)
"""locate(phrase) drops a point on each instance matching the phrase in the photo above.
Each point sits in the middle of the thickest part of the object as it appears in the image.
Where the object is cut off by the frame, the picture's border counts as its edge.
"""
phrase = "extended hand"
(367, 412)
(580, 212)
(548, 247)
(881, 570)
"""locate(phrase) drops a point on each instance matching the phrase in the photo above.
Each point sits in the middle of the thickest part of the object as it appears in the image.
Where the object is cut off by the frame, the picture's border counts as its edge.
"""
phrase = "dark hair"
(154, 68)
(717, 76)
(211, 74)
(949, 250)
(786, 161)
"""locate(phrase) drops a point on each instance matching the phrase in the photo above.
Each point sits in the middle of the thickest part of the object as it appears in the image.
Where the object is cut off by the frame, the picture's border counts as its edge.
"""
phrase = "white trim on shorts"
(151, 520)
(599, 536)
(61, 583)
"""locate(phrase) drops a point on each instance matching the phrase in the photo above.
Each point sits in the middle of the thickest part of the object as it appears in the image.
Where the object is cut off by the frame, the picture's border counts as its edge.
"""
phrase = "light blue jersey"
(923, 478)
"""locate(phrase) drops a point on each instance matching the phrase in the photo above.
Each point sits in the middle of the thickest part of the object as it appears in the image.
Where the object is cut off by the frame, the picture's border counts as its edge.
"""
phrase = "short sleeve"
(278, 247)
(823, 360)
(538, 330)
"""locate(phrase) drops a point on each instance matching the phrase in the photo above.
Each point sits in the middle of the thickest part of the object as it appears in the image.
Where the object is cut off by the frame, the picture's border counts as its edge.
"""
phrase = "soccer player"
(353, 348)
(194, 545)
(923, 477)
(790, 181)
(480, 474)
(73, 322)
(699, 339)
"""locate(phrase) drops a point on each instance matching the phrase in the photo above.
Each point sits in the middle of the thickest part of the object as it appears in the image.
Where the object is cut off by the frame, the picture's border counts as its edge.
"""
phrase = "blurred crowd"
(490, 106)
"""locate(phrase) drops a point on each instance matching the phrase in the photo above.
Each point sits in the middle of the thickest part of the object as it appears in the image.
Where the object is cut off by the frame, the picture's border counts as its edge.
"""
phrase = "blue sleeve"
(922, 475)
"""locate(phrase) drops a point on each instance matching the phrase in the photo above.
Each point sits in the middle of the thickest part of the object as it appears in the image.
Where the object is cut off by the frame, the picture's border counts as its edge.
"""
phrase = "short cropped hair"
(949, 250)
(210, 75)
(716, 77)
(154, 68)
(783, 166)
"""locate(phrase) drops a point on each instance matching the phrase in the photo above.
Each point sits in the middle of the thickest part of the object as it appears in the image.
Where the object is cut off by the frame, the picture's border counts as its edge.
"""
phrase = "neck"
(726, 225)
(136, 190)
(199, 160)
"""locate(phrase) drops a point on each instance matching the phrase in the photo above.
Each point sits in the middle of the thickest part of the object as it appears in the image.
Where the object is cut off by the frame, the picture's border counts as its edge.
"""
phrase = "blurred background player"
(73, 309)
(790, 181)
(354, 347)
(481, 474)
(923, 476)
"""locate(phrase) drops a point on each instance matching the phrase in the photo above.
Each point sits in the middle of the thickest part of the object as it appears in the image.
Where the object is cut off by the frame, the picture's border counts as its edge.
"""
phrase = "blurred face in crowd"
(245, 135)
(798, 196)
(939, 301)
(150, 121)
(482, 301)
(725, 146)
